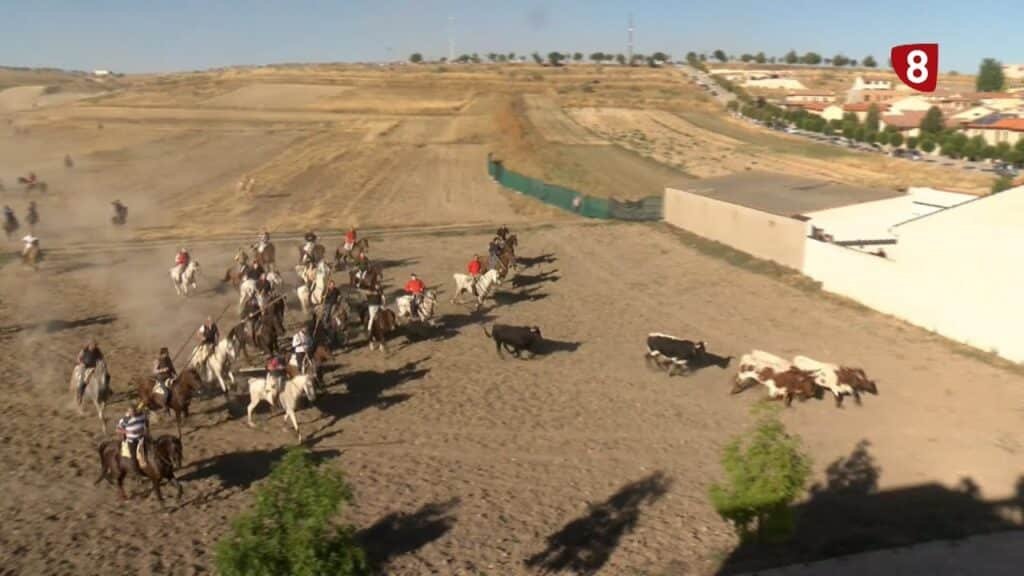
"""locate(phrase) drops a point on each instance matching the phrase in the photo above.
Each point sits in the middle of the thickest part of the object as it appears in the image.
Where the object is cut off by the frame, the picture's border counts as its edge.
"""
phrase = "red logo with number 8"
(917, 65)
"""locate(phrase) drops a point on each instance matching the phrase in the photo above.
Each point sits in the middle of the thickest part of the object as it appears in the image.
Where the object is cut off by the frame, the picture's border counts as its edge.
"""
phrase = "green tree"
(912, 143)
(791, 57)
(872, 120)
(1016, 157)
(597, 57)
(746, 57)
(765, 471)
(1002, 151)
(1002, 183)
(953, 145)
(703, 57)
(895, 138)
(620, 59)
(661, 57)
(884, 137)
(416, 58)
(720, 55)
(927, 145)
(990, 76)
(869, 61)
(577, 56)
(933, 122)
(840, 60)
(691, 56)
(760, 58)
(537, 58)
(291, 528)
(475, 58)
(511, 56)
(491, 56)
(860, 134)
(812, 58)
(772, 60)
(555, 58)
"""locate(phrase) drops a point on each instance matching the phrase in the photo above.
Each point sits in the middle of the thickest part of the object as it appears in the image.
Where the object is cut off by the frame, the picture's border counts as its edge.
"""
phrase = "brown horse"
(385, 323)
(343, 257)
(182, 388)
(372, 280)
(11, 226)
(161, 459)
(32, 257)
(266, 258)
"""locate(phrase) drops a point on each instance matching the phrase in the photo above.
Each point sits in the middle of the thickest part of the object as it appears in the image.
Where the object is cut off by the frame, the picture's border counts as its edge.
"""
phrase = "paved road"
(723, 96)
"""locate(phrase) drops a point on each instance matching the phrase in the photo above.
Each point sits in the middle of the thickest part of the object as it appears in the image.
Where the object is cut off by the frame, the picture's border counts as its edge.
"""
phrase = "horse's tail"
(103, 463)
(486, 332)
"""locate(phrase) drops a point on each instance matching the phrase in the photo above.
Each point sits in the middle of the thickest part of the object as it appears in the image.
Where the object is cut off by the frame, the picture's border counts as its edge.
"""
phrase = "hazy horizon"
(191, 35)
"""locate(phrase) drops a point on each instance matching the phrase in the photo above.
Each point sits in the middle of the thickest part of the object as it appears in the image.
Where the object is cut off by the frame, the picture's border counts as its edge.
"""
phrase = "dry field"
(580, 461)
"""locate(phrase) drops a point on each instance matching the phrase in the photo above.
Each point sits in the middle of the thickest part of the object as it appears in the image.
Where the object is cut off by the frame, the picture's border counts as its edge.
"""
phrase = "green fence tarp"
(573, 201)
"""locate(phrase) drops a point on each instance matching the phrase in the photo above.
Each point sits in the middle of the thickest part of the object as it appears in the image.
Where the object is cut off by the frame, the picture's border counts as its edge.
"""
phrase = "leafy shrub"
(765, 471)
(1002, 183)
(290, 528)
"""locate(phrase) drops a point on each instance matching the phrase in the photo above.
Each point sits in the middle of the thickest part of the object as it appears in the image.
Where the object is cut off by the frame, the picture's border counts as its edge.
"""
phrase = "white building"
(1013, 71)
(101, 72)
(870, 83)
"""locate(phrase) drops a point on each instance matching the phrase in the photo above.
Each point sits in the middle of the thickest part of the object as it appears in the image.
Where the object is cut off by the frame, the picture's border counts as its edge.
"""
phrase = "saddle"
(140, 452)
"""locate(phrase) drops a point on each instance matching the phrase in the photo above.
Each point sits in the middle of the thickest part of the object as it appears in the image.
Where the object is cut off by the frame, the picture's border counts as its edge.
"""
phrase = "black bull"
(515, 339)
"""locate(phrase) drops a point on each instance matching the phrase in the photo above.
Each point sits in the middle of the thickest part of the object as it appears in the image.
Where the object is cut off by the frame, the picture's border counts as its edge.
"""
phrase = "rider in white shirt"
(29, 241)
(301, 342)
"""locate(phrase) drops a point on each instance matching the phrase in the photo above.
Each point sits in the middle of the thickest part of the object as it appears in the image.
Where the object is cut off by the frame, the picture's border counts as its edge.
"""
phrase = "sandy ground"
(464, 463)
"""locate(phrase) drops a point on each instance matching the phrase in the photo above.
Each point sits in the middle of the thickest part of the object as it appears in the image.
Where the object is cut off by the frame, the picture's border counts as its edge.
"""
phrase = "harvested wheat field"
(578, 461)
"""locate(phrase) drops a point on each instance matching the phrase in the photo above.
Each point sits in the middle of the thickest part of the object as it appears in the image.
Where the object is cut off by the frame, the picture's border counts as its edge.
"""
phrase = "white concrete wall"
(764, 235)
(956, 273)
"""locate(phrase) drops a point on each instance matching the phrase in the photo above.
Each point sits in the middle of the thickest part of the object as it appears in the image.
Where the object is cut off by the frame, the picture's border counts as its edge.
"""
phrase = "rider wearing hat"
(164, 373)
(308, 248)
(133, 429)
(208, 335)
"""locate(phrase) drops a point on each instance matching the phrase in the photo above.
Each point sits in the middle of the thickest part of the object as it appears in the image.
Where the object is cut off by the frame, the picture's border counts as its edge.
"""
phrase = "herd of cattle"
(803, 378)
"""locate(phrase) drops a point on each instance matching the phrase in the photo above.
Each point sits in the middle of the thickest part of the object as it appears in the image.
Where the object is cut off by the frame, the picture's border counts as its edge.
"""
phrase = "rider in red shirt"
(350, 238)
(416, 287)
(181, 259)
(475, 269)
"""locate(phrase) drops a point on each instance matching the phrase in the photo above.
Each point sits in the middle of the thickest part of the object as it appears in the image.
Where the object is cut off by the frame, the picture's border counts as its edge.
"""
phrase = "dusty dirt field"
(463, 463)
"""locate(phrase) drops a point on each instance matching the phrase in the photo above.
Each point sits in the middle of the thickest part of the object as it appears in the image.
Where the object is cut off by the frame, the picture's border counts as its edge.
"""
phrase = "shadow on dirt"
(401, 533)
(584, 545)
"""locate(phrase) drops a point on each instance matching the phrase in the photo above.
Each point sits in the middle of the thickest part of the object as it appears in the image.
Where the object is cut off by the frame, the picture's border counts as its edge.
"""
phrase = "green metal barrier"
(573, 201)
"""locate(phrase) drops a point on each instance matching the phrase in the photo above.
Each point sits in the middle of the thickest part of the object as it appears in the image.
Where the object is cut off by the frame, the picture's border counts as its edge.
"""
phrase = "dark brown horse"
(385, 324)
(182, 389)
(162, 457)
(372, 280)
(266, 258)
(343, 257)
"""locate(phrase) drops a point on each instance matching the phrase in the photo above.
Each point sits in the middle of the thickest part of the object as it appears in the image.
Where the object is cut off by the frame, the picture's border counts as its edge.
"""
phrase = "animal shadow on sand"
(78, 265)
(531, 261)
(365, 389)
(584, 545)
(848, 514)
(524, 280)
(510, 298)
(401, 533)
(53, 326)
(449, 326)
(546, 347)
(240, 469)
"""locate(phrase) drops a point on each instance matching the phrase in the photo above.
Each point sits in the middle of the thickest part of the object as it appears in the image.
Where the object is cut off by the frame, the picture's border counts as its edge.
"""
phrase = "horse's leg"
(120, 479)
(173, 480)
(253, 403)
(100, 405)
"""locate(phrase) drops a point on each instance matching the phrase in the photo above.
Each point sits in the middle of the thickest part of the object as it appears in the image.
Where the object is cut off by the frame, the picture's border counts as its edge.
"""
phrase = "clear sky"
(168, 35)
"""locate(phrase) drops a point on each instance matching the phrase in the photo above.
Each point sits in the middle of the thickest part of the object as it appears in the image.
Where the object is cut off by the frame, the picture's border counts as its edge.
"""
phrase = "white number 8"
(917, 72)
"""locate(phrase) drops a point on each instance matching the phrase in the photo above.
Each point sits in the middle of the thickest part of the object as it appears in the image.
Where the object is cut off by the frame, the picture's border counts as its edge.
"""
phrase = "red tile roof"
(811, 93)
(865, 106)
(819, 106)
(1012, 124)
(909, 119)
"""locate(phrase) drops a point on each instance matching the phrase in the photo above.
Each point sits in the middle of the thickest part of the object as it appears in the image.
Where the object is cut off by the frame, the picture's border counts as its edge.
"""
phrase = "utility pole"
(451, 38)
(629, 47)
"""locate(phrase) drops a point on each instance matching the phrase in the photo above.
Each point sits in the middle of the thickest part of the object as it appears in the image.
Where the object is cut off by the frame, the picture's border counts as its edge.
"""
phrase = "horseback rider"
(493, 254)
(301, 344)
(331, 296)
(350, 239)
(416, 288)
(209, 333)
(475, 269)
(362, 267)
(306, 255)
(503, 232)
(164, 373)
(33, 216)
(88, 358)
(275, 373)
(253, 271)
(133, 429)
(120, 211)
(181, 260)
(9, 215)
(374, 301)
(30, 241)
(262, 242)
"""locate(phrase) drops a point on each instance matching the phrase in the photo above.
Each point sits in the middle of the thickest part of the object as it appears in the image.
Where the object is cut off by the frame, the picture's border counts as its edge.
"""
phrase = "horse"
(32, 217)
(274, 280)
(294, 387)
(426, 308)
(120, 216)
(185, 281)
(182, 389)
(266, 257)
(385, 323)
(96, 387)
(246, 292)
(218, 363)
(236, 274)
(31, 184)
(372, 280)
(312, 362)
(11, 225)
(312, 294)
(464, 284)
(32, 257)
(342, 257)
(318, 254)
(161, 459)
(336, 327)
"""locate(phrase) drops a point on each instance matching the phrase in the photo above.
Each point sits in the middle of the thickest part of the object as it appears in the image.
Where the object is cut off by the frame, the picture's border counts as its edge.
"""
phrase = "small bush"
(290, 529)
(764, 474)
(1002, 183)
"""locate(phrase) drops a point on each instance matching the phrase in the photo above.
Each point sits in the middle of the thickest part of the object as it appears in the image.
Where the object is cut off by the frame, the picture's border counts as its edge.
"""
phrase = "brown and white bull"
(839, 380)
(783, 380)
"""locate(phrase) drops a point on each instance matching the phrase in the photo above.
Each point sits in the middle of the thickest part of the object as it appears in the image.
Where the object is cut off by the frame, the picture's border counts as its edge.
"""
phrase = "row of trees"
(791, 57)
(934, 135)
(556, 58)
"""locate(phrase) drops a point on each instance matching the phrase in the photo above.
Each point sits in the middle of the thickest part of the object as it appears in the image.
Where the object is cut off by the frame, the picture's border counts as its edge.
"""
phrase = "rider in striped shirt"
(133, 429)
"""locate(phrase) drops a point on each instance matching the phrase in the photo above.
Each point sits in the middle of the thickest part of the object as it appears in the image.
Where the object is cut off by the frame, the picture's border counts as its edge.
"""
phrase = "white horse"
(310, 297)
(426, 309)
(185, 280)
(217, 364)
(245, 292)
(96, 387)
(294, 388)
(464, 284)
(274, 280)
